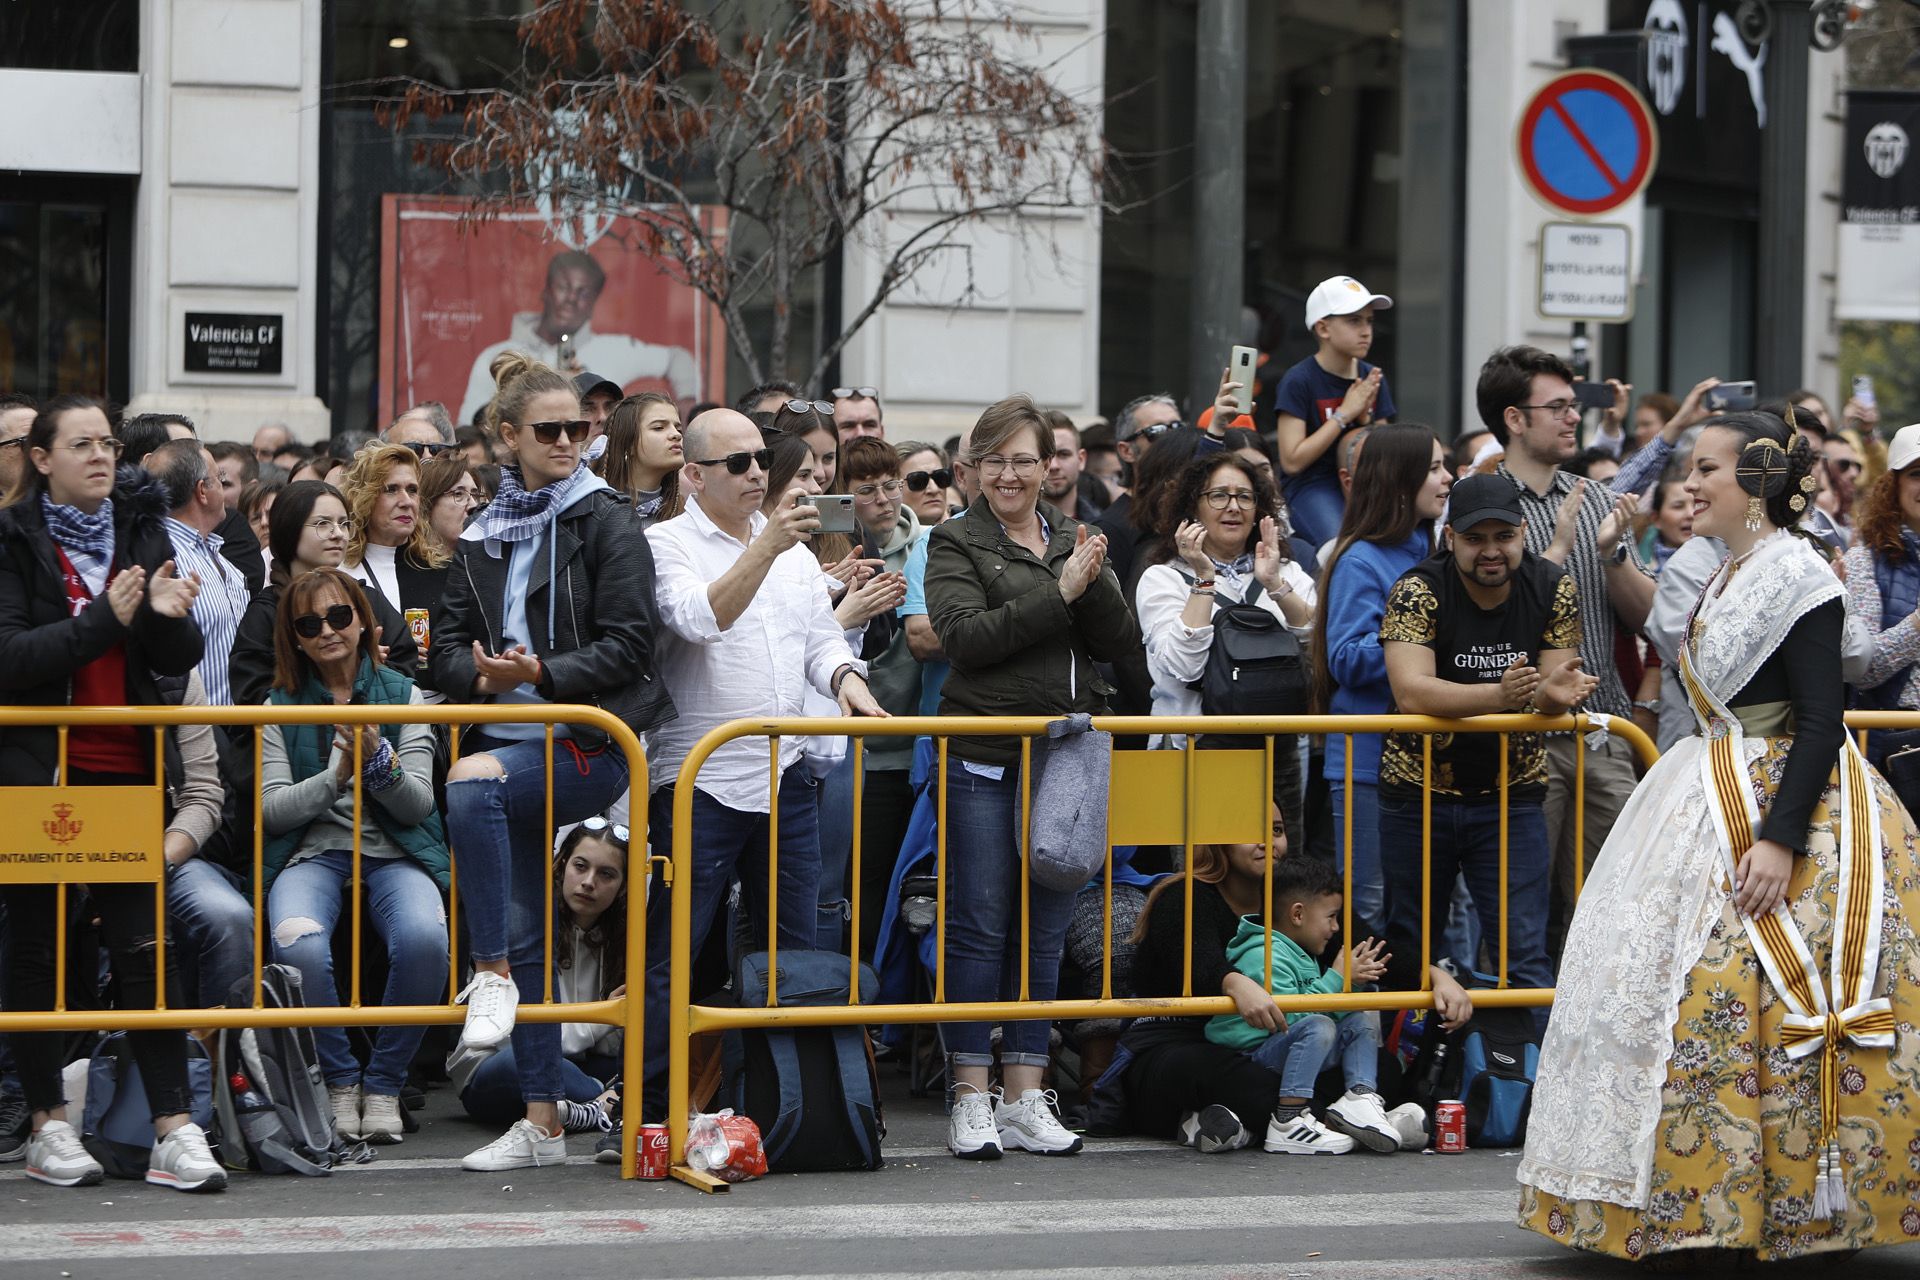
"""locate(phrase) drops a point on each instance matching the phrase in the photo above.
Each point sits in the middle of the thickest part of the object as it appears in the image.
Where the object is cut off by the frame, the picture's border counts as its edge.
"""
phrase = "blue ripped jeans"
(1312, 1041)
(498, 830)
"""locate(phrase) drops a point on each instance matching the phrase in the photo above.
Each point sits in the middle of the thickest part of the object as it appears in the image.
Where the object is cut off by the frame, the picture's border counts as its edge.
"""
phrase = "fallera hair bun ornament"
(1763, 472)
(1807, 484)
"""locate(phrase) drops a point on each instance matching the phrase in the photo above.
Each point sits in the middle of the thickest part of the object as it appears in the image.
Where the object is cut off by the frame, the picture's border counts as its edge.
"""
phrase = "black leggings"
(1172, 1076)
(126, 930)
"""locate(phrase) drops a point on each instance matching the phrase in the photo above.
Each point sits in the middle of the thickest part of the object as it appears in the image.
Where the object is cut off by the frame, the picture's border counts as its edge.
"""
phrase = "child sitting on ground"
(1306, 907)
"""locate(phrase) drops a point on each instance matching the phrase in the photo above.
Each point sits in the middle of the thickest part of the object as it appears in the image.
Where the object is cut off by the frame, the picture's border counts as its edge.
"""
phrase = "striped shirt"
(222, 602)
(1588, 569)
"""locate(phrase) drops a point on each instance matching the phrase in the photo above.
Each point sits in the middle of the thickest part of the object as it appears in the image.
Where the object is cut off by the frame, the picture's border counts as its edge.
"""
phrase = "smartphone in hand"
(1240, 368)
(836, 511)
(1593, 395)
(1731, 397)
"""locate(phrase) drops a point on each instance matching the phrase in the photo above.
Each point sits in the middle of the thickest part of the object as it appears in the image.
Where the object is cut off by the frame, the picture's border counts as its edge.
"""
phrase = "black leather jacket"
(606, 623)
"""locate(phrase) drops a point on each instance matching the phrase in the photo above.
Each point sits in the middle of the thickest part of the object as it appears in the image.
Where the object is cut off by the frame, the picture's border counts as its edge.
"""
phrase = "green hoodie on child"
(1295, 973)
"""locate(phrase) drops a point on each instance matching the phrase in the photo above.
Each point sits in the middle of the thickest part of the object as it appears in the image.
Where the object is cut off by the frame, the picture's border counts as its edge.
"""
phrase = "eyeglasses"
(421, 449)
(1554, 408)
(821, 407)
(1220, 499)
(597, 823)
(889, 487)
(468, 495)
(548, 432)
(324, 526)
(917, 480)
(339, 617)
(737, 463)
(1024, 465)
(395, 490)
(1845, 464)
(856, 393)
(103, 444)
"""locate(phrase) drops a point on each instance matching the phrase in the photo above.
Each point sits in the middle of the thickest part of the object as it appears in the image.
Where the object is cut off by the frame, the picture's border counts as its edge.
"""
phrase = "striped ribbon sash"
(1818, 1016)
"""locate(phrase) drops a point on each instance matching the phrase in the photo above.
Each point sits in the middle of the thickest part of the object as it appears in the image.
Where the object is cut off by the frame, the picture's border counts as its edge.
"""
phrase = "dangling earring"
(1755, 510)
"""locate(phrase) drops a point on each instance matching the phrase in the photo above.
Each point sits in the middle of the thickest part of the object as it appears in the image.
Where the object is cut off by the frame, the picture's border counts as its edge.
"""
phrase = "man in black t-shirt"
(1484, 626)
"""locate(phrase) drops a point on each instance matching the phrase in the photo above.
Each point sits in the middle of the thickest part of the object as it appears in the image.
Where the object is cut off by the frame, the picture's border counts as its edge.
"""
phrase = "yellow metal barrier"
(1157, 798)
(626, 1012)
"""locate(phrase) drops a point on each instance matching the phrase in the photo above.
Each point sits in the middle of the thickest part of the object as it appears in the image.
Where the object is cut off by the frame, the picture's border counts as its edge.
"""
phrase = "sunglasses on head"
(339, 617)
(820, 407)
(598, 823)
(737, 463)
(917, 480)
(548, 432)
(856, 393)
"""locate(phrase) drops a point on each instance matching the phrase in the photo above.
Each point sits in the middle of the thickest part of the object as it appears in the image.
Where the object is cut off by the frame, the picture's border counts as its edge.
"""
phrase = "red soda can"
(650, 1160)
(1450, 1126)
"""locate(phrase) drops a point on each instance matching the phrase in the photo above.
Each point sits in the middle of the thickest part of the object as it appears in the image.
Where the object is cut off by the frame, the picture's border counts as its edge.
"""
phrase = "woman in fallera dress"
(1733, 1062)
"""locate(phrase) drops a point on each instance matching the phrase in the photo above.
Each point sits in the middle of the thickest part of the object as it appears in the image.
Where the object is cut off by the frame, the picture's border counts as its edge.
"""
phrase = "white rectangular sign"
(1586, 272)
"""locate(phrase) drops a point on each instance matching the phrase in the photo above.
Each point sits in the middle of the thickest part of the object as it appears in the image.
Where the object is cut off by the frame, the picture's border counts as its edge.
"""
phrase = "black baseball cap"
(1479, 498)
(588, 383)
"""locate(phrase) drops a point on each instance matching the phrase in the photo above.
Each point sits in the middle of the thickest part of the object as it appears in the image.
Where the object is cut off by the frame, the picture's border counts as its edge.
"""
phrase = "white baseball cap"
(1904, 450)
(1342, 296)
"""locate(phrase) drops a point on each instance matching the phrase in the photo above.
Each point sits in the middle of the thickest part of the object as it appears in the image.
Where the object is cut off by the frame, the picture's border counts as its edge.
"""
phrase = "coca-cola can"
(1450, 1126)
(650, 1161)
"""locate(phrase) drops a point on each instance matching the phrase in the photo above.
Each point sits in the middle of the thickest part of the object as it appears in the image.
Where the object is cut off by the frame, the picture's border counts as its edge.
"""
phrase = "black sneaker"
(15, 1128)
(1214, 1129)
(607, 1150)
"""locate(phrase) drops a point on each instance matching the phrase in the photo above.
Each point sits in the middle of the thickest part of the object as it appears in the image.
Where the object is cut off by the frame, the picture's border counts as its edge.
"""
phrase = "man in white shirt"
(748, 627)
(561, 334)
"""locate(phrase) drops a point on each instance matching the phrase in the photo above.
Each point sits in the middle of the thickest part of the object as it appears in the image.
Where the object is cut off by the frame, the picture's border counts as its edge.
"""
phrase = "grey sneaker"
(15, 1127)
(346, 1102)
(55, 1157)
(380, 1121)
(1409, 1119)
(181, 1160)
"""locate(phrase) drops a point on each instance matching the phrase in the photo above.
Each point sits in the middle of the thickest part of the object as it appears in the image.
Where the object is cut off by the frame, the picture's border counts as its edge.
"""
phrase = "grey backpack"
(270, 1104)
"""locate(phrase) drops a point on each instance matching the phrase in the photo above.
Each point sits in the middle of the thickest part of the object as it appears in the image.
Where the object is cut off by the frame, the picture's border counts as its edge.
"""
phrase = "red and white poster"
(456, 293)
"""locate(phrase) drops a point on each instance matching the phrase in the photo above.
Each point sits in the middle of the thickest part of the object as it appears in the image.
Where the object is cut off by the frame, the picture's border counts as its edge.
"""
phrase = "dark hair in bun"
(1777, 475)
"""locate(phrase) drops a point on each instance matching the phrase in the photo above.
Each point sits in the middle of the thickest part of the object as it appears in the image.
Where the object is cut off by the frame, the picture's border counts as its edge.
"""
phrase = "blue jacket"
(1355, 598)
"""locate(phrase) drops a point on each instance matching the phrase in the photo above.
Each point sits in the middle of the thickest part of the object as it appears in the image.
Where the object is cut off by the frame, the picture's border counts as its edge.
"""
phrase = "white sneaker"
(525, 1146)
(1361, 1117)
(1409, 1119)
(1213, 1129)
(380, 1121)
(491, 1002)
(182, 1160)
(55, 1157)
(1028, 1124)
(971, 1133)
(1305, 1136)
(346, 1102)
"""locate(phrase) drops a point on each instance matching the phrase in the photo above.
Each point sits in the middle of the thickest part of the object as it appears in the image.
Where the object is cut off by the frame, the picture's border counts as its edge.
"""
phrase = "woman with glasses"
(1024, 605)
(90, 612)
(926, 475)
(309, 530)
(325, 655)
(589, 963)
(1229, 547)
(449, 495)
(550, 600)
(391, 548)
(644, 457)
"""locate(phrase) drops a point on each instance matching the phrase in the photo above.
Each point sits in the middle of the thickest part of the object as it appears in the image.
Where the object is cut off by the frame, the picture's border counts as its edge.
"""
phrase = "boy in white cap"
(1324, 396)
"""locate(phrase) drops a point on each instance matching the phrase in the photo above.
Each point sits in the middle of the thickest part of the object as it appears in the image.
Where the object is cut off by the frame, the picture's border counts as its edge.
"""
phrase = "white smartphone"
(1240, 369)
(836, 511)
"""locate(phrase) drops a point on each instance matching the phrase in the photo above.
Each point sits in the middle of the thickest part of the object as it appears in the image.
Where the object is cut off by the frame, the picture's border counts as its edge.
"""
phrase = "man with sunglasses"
(17, 413)
(1834, 501)
(426, 429)
(748, 627)
(856, 413)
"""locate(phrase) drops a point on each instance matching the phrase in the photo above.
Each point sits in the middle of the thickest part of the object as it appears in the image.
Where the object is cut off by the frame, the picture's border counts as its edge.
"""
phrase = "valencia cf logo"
(62, 829)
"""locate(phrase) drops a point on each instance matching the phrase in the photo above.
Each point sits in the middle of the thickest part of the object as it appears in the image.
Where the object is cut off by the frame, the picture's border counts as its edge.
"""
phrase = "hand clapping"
(1084, 565)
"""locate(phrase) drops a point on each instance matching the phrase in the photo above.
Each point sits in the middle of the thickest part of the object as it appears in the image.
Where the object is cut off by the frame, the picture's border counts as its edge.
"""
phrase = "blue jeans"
(983, 919)
(836, 851)
(1369, 894)
(1316, 507)
(498, 827)
(213, 925)
(1466, 842)
(1313, 1040)
(492, 1095)
(304, 907)
(730, 844)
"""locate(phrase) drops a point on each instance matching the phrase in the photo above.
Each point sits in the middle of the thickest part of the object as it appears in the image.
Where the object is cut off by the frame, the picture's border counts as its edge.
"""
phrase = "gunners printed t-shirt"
(1313, 395)
(1430, 606)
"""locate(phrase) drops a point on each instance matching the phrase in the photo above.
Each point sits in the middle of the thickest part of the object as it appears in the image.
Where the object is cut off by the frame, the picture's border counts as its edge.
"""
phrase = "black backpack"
(812, 1091)
(1255, 666)
(270, 1103)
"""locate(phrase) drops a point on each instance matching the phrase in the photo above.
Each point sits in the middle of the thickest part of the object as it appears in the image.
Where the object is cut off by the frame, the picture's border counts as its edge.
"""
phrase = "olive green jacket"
(1016, 646)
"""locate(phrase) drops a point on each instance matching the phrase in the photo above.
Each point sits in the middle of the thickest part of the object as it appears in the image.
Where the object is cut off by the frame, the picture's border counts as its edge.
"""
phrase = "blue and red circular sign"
(1587, 142)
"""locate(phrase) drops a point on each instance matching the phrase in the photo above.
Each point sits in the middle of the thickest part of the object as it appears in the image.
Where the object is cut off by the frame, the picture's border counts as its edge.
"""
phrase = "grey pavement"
(1124, 1208)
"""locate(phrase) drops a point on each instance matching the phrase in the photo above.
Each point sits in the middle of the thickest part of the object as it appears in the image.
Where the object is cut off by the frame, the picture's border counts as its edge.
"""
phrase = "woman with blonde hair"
(644, 457)
(392, 549)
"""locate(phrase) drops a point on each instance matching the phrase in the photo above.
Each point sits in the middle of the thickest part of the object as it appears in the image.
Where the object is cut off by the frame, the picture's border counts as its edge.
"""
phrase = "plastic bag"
(726, 1146)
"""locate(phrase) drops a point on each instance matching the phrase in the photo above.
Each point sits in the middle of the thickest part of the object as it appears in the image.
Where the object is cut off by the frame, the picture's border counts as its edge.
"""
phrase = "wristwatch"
(1621, 551)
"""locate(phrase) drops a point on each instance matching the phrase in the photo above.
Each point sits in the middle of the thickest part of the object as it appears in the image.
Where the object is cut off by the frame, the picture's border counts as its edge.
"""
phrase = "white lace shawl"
(1648, 907)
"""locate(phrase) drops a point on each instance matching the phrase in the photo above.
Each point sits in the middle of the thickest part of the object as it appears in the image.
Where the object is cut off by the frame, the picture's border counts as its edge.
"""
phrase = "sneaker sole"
(212, 1182)
(1299, 1149)
(1377, 1141)
(985, 1151)
(1012, 1140)
(1211, 1134)
(378, 1139)
(606, 1157)
(91, 1178)
(14, 1156)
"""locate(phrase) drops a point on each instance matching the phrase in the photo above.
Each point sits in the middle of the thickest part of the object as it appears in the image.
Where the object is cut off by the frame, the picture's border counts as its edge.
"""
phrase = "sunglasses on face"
(339, 617)
(856, 393)
(820, 407)
(421, 449)
(548, 432)
(1155, 431)
(597, 823)
(737, 463)
(917, 480)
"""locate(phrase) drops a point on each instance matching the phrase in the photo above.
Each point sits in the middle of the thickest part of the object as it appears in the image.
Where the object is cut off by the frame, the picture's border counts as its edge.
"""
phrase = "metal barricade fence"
(61, 866)
(1157, 798)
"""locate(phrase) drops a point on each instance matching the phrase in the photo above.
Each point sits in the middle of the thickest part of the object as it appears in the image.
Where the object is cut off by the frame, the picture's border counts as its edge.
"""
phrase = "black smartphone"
(1731, 397)
(1593, 395)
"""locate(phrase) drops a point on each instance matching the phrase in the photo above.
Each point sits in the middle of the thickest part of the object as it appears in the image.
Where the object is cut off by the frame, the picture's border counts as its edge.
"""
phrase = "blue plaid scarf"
(515, 515)
(74, 529)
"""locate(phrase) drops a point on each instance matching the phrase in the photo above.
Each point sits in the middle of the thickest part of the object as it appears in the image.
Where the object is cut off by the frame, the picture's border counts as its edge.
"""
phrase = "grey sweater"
(325, 808)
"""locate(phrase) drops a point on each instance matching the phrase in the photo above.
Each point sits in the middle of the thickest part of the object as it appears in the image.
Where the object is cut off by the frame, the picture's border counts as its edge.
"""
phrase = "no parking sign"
(1586, 143)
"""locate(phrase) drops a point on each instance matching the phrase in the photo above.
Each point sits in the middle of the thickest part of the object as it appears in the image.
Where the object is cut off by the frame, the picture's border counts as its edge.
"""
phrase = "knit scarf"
(75, 530)
(515, 515)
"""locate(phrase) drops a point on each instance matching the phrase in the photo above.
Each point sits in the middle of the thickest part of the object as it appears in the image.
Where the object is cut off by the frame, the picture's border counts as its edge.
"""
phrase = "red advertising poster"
(456, 293)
